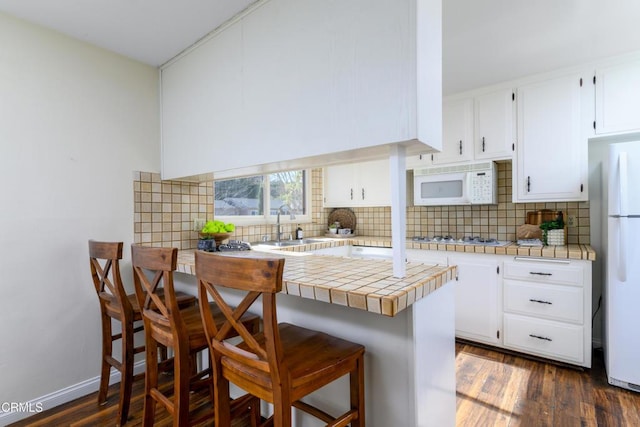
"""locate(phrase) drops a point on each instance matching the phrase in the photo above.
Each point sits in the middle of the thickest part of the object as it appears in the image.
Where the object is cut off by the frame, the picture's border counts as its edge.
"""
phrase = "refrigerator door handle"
(623, 191)
(622, 249)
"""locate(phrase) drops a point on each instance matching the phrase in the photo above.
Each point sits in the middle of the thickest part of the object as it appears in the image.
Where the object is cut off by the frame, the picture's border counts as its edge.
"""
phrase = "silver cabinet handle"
(539, 301)
(540, 337)
(540, 274)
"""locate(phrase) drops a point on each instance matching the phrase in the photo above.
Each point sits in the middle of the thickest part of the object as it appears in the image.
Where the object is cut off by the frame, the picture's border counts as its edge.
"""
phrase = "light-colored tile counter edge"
(356, 283)
(572, 251)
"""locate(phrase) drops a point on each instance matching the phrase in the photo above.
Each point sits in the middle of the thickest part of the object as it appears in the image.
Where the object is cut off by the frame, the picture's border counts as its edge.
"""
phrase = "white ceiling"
(489, 41)
(151, 31)
(484, 41)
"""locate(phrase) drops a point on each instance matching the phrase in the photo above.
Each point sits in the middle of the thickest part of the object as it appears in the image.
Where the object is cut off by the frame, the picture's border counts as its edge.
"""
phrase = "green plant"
(556, 224)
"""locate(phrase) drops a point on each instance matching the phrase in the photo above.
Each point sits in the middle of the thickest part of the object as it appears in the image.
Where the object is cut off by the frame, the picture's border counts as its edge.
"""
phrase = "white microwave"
(468, 184)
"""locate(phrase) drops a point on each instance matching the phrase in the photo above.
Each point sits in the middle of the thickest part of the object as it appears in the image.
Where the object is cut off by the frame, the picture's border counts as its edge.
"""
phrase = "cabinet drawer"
(546, 338)
(552, 271)
(556, 302)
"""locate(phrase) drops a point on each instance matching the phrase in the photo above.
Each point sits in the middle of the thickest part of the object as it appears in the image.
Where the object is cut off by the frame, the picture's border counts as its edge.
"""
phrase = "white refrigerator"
(622, 287)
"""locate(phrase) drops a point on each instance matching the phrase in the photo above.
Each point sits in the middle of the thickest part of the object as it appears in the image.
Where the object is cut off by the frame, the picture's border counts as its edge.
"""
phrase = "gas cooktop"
(467, 240)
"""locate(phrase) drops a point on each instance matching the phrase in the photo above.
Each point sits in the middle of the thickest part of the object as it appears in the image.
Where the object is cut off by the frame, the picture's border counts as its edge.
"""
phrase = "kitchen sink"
(285, 243)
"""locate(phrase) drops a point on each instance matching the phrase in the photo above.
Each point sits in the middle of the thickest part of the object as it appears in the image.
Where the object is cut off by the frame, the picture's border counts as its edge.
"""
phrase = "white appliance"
(622, 287)
(467, 184)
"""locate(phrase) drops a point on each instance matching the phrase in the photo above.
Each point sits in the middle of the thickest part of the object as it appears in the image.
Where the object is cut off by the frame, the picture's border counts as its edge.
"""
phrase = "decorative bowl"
(218, 237)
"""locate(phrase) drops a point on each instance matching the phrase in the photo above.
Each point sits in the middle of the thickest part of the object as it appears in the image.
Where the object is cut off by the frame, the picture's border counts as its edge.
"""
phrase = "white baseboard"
(59, 397)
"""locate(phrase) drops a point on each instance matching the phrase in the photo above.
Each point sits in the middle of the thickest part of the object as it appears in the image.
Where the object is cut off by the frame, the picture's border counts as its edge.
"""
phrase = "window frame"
(266, 217)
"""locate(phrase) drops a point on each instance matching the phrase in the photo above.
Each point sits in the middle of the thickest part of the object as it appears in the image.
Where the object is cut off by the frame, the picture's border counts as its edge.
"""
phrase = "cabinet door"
(494, 125)
(373, 184)
(457, 132)
(477, 298)
(551, 150)
(418, 161)
(357, 184)
(618, 98)
(338, 186)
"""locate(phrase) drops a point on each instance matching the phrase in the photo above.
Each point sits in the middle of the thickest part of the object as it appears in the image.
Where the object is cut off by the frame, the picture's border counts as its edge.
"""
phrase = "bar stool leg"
(356, 389)
(126, 378)
(184, 367)
(105, 370)
(151, 381)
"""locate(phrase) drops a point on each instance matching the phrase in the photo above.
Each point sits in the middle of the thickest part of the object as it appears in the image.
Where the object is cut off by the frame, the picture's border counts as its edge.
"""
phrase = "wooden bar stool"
(283, 363)
(180, 329)
(116, 304)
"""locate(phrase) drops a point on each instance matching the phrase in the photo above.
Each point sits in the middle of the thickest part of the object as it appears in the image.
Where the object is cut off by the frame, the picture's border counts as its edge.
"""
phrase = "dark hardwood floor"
(85, 412)
(497, 389)
(493, 389)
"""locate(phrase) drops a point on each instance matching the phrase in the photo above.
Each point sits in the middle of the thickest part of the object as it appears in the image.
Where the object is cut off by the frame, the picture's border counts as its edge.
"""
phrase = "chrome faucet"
(291, 216)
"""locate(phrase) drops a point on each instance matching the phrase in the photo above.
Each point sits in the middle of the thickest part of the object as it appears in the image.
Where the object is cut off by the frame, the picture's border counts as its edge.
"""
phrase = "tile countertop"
(573, 251)
(356, 283)
(369, 284)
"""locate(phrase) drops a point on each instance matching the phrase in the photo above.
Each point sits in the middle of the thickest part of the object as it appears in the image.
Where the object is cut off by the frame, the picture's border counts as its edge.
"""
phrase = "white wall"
(75, 121)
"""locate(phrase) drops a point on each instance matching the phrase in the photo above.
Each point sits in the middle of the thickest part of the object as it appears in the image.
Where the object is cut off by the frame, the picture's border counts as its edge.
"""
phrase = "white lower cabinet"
(547, 308)
(537, 306)
(553, 340)
(477, 297)
(547, 301)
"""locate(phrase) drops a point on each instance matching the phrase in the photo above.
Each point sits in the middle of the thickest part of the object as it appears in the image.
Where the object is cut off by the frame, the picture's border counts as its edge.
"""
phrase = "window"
(256, 199)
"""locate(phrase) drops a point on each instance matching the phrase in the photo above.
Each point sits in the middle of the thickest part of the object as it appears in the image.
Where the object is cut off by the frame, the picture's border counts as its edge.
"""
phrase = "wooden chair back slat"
(232, 324)
(153, 271)
(255, 277)
(104, 260)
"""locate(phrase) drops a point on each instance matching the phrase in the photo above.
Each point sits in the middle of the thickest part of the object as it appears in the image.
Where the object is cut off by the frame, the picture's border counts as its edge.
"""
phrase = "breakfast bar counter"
(406, 325)
(353, 282)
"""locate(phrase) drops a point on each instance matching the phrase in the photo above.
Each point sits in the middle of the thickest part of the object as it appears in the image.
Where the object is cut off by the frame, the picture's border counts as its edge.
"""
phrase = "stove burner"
(478, 240)
(466, 240)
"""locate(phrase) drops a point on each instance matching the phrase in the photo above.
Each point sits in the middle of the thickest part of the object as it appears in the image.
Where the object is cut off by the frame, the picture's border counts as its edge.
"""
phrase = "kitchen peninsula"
(406, 325)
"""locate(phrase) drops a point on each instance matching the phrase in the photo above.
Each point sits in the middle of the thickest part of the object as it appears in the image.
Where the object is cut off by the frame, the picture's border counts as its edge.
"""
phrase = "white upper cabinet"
(294, 81)
(457, 132)
(475, 127)
(357, 184)
(555, 116)
(494, 131)
(618, 98)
